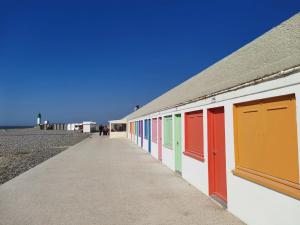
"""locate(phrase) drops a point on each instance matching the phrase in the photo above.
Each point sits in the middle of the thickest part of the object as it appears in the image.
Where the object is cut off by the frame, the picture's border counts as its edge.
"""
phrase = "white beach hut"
(89, 126)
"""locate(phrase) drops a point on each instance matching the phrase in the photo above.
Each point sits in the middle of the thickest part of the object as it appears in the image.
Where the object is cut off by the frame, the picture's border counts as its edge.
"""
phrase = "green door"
(178, 142)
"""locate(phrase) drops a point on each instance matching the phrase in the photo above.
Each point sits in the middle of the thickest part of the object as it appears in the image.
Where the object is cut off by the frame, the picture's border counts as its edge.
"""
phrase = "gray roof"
(275, 51)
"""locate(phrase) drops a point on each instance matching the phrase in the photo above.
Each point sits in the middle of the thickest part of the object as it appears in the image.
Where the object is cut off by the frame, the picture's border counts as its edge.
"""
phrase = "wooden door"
(137, 132)
(149, 135)
(216, 154)
(159, 141)
(178, 153)
(142, 133)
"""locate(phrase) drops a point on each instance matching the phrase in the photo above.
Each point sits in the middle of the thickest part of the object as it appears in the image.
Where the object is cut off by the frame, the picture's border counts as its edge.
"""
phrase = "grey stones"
(22, 149)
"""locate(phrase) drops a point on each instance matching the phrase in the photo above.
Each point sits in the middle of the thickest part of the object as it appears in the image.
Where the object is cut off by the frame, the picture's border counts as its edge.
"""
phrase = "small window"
(168, 133)
(266, 148)
(194, 135)
(118, 127)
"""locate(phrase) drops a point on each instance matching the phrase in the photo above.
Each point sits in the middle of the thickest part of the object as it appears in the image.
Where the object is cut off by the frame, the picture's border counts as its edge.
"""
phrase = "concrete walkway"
(104, 181)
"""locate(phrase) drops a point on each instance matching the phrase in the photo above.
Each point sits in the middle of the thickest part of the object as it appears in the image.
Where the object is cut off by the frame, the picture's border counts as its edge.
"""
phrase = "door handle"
(214, 153)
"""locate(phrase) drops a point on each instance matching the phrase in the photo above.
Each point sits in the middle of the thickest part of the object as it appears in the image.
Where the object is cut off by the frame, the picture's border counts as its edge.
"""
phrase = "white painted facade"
(139, 141)
(115, 133)
(145, 144)
(168, 158)
(88, 126)
(252, 203)
(154, 150)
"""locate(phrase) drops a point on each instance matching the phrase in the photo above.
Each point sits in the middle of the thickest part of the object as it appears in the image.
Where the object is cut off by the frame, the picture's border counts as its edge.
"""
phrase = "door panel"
(168, 132)
(154, 130)
(194, 134)
(216, 154)
(159, 141)
(272, 150)
(178, 153)
(142, 135)
(131, 130)
(149, 135)
(137, 132)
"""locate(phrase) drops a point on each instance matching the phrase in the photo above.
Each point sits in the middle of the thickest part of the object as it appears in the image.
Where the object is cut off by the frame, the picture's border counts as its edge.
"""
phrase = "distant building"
(118, 128)
(89, 127)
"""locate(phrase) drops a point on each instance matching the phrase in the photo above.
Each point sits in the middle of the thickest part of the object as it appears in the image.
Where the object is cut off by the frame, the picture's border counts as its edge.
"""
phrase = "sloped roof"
(275, 51)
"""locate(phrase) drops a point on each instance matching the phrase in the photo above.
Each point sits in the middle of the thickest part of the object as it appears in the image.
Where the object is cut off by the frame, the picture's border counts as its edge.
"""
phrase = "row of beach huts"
(232, 131)
(85, 127)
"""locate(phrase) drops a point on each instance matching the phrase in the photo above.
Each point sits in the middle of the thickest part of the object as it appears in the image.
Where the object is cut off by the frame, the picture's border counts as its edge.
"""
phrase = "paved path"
(104, 181)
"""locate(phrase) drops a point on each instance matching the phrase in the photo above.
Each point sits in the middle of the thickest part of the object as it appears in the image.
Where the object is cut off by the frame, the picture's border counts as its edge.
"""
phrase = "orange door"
(266, 143)
(216, 154)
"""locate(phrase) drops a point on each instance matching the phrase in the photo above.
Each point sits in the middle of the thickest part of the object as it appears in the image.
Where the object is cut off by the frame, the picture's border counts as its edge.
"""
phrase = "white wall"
(145, 145)
(118, 134)
(252, 203)
(255, 204)
(134, 138)
(195, 172)
(140, 142)
(168, 158)
(86, 128)
(154, 150)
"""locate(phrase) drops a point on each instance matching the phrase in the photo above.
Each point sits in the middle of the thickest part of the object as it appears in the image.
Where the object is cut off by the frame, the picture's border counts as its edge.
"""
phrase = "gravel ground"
(22, 149)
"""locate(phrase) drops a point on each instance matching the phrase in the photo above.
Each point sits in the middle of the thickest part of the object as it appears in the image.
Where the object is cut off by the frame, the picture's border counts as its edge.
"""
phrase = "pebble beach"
(22, 149)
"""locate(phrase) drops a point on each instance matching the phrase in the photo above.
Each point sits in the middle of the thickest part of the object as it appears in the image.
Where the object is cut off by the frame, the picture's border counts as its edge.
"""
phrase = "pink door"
(159, 141)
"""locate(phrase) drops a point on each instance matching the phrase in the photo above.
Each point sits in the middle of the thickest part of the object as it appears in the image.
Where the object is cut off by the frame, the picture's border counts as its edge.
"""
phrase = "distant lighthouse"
(39, 119)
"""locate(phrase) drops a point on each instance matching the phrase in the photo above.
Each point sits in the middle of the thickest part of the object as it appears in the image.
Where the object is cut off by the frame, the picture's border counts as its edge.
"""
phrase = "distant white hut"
(89, 127)
(117, 128)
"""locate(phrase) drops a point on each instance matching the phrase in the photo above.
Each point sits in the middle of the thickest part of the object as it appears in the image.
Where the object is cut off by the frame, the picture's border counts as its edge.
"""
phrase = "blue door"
(141, 132)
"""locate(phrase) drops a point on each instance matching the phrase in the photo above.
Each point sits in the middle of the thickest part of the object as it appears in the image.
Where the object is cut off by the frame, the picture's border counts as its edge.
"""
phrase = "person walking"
(100, 130)
(105, 130)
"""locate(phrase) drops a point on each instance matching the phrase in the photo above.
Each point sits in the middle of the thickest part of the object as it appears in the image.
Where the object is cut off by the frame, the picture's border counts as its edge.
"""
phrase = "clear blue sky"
(96, 60)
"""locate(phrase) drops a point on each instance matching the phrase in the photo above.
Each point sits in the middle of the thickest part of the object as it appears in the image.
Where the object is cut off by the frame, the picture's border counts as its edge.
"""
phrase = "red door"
(216, 154)
(159, 141)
